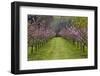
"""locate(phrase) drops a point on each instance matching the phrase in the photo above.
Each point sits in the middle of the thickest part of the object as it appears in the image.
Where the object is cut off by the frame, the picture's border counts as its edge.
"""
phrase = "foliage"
(80, 22)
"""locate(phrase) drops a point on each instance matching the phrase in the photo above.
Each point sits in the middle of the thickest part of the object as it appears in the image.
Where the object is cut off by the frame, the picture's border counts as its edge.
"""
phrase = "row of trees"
(39, 31)
(77, 32)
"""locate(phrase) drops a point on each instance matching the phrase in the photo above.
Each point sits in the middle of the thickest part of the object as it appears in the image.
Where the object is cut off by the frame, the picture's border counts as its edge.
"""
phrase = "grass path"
(57, 48)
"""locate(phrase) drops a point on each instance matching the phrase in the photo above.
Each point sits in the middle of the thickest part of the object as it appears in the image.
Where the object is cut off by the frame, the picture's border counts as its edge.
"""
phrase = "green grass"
(57, 48)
